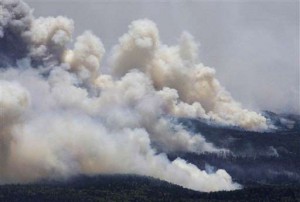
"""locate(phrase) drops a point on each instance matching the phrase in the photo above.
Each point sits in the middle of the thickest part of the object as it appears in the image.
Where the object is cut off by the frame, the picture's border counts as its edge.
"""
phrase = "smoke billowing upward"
(60, 116)
(15, 23)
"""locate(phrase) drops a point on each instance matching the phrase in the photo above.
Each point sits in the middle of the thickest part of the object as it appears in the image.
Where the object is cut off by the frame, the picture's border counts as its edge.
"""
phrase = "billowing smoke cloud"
(190, 87)
(48, 38)
(15, 22)
(61, 117)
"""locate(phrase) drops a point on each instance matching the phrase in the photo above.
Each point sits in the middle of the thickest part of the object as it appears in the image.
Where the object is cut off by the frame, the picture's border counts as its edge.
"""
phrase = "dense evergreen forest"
(253, 158)
(136, 188)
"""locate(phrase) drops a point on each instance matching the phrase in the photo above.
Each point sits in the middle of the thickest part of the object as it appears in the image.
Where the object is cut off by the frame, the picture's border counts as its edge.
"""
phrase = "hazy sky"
(254, 45)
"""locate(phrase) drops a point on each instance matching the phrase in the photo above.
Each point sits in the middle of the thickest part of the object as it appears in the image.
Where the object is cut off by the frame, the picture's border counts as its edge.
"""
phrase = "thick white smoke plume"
(190, 88)
(61, 117)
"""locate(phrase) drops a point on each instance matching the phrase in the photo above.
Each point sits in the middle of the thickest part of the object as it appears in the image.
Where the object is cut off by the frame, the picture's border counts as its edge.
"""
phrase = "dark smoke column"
(15, 22)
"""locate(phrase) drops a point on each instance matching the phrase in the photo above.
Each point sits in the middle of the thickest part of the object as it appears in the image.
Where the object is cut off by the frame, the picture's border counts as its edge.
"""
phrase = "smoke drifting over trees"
(60, 116)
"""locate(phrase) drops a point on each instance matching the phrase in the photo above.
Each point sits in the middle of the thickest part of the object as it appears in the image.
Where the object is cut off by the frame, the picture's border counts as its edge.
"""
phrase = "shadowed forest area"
(136, 188)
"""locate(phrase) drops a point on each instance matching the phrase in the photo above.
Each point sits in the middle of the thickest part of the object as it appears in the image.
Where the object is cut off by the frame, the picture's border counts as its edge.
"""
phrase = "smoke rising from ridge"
(60, 116)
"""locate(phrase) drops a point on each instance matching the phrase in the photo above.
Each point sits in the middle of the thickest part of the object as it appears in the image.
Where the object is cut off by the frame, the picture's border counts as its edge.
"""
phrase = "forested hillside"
(136, 188)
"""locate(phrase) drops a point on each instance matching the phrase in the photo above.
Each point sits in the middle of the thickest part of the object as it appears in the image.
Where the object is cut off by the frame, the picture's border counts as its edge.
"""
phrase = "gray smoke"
(15, 23)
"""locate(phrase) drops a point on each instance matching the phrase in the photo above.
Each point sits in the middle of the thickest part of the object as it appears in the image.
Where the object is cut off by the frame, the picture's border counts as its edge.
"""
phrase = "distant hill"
(255, 158)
